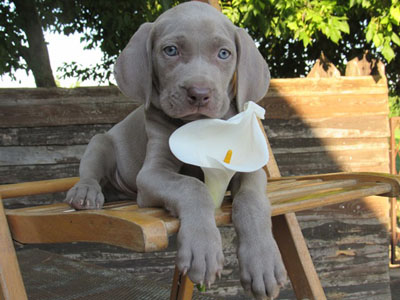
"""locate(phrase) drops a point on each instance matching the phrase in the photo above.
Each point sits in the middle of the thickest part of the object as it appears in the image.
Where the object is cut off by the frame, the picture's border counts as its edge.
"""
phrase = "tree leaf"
(388, 52)
(344, 27)
(395, 39)
(395, 13)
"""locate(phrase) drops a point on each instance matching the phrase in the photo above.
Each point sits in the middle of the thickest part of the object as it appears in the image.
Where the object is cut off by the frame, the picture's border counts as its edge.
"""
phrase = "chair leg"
(11, 284)
(182, 287)
(296, 258)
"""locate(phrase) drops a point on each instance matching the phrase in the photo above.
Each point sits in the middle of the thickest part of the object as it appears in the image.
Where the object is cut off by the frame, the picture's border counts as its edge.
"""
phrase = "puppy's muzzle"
(198, 96)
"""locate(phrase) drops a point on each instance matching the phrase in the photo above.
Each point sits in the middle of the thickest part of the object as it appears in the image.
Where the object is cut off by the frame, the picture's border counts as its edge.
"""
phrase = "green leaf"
(344, 27)
(395, 13)
(395, 39)
(370, 33)
(388, 52)
(378, 40)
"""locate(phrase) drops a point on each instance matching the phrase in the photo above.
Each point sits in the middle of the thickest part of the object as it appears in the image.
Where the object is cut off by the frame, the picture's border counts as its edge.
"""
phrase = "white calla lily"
(222, 148)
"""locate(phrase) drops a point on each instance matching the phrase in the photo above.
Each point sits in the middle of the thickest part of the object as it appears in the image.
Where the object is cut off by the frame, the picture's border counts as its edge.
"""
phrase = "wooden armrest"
(37, 187)
(393, 180)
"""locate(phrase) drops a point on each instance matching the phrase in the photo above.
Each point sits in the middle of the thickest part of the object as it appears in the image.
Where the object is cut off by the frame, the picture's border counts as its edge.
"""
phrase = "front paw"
(261, 268)
(200, 251)
(86, 194)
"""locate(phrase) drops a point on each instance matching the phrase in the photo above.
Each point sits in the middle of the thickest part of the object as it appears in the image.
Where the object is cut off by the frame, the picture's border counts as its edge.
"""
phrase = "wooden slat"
(393, 180)
(37, 187)
(327, 86)
(330, 197)
(41, 155)
(51, 135)
(11, 284)
(129, 229)
(290, 192)
(14, 174)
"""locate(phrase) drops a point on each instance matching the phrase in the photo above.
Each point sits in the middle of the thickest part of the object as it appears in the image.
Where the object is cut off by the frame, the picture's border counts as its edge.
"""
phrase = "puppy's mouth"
(197, 113)
(194, 117)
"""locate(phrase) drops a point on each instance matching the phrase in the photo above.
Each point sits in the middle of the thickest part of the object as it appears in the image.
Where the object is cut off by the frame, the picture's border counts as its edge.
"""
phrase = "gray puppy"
(191, 63)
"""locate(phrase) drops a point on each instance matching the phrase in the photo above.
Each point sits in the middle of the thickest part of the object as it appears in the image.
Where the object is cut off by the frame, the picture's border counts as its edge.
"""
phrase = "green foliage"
(97, 22)
(383, 24)
(290, 33)
(394, 106)
(300, 20)
(306, 20)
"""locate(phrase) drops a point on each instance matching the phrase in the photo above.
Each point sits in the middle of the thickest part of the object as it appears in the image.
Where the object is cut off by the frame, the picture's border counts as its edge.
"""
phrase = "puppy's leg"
(261, 269)
(159, 184)
(97, 163)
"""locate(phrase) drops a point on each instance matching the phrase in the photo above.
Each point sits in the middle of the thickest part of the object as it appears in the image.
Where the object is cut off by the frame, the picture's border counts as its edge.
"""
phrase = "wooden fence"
(315, 125)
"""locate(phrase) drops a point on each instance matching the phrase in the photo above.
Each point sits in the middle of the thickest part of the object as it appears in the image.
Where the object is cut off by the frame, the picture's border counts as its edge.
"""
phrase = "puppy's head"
(192, 62)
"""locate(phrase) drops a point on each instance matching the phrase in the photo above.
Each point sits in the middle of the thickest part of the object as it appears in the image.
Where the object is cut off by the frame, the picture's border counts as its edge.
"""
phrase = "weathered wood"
(128, 229)
(87, 106)
(30, 225)
(37, 187)
(30, 107)
(339, 127)
(38, 136)
(24, 173)
(323, 68)
(288, 191)
(291, 243)
(296, 257)
(365, 65)
(40, 155)
(11, 284)
(329, 139)
(182, 286)
(367, 177)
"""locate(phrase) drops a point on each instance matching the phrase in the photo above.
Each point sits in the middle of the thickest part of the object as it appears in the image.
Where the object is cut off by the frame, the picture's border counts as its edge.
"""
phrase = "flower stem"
(217, 181)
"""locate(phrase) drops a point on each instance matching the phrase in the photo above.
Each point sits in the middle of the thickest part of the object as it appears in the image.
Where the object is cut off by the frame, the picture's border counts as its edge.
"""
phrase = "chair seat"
(126, 225)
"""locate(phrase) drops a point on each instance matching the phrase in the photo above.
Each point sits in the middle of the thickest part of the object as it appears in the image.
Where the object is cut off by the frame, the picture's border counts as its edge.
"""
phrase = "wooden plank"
(331, 106)
(318, 168)
(52, 107)
(296, 257)
(49, 135)
(11, 283)
(7, 94)
(288, 183)
(331, 143)
(340, 150)
(182, 286)
(130, 229)
(329, 197)
(40, 155)
(325, 86)
(289, 192)
(362, 177)
(58, 114)
(24, 173)
(37, 187)
(285, 99)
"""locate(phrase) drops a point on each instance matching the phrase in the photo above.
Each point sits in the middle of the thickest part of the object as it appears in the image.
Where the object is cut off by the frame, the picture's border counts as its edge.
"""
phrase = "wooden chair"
(147, 229)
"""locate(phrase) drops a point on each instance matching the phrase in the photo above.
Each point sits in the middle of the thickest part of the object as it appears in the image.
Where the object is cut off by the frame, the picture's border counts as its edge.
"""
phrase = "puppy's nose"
(198, 96)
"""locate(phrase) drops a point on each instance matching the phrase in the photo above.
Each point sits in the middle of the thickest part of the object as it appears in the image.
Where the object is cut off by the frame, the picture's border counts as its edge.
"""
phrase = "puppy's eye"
(171, 51)
(224, 54)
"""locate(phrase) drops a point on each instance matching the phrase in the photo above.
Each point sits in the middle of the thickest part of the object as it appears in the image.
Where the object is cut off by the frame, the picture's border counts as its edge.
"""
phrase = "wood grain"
(11, 283)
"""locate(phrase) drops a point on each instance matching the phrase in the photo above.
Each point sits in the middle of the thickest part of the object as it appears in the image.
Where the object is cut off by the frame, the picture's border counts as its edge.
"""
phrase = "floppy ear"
(252, 71)
(133, 69)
